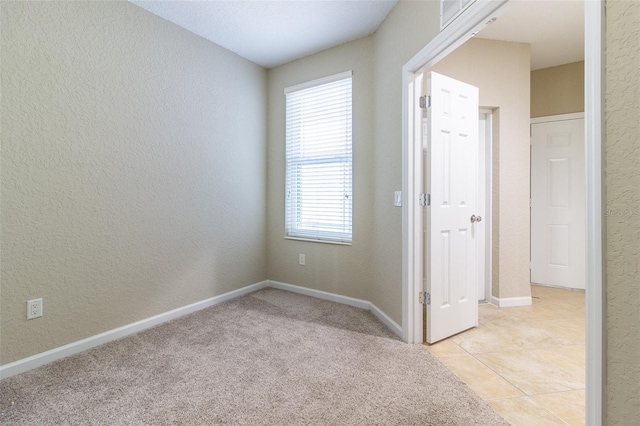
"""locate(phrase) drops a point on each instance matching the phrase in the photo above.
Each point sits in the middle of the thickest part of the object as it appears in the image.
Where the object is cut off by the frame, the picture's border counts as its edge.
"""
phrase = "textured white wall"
(622, 99)
(133, 170)
(501, 71)
(337, 269)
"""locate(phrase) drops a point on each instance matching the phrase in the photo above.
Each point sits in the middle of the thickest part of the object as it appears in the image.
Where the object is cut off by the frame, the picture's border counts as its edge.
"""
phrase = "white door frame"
(485, 204)
(560, 117)
(454, 35)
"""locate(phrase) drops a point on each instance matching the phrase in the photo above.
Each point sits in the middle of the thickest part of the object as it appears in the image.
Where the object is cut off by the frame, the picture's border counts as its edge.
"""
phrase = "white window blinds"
(319, 160)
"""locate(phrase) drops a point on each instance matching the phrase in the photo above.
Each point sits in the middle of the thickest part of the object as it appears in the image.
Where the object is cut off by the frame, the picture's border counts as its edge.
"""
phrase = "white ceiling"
(273, 32)
(553, 28)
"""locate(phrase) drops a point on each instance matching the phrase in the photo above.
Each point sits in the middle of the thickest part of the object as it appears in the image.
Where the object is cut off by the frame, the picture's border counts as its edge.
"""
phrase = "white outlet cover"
(34, 308)
(397, 199)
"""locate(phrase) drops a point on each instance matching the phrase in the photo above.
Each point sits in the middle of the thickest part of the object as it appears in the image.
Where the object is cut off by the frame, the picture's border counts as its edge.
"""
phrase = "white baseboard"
(386, 320)
(43, 358)
(507, 302)
(358, 303)
(47, 357)
(318, 294)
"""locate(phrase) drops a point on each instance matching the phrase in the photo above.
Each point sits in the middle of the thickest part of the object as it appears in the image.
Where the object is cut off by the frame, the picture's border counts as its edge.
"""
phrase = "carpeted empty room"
(213, 212)
(271, 357)
(142, 172)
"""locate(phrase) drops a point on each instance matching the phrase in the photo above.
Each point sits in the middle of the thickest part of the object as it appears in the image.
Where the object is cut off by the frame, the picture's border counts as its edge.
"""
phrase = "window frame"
(293, 219)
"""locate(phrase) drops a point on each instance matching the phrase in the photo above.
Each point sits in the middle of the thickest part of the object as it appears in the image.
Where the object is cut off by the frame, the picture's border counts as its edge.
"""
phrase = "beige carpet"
(271, 357)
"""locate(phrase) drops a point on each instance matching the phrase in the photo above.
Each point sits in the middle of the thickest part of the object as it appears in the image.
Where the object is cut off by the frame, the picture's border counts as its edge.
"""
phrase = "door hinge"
(425, 102)
(425, 199)
(425, 298)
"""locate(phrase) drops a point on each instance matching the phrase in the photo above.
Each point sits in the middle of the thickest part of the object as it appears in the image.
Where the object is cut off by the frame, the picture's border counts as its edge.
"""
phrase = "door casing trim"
(559, 117)
(488, 201)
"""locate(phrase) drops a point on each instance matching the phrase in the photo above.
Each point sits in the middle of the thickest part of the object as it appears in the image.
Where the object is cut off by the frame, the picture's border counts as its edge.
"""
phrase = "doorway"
(476, 17)
(485, 123)
(557, 201)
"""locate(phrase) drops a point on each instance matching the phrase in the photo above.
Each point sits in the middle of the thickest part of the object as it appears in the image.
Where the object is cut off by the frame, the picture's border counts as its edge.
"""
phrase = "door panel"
(557, 203)
(451, 179)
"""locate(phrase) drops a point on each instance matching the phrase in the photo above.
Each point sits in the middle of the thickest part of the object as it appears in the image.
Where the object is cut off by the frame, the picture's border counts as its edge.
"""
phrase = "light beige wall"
(557, 90)
(501, 71)
(133, 170)
(407, 29)
(334, 268)
(371, 268)
(622, 99)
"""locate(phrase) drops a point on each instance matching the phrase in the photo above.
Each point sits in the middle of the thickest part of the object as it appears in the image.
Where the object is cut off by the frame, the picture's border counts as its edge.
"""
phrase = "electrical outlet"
(34, 308)
(302, 259)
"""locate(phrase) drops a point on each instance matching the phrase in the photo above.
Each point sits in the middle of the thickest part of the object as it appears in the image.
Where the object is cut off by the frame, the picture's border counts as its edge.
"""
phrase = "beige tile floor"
(527, 362)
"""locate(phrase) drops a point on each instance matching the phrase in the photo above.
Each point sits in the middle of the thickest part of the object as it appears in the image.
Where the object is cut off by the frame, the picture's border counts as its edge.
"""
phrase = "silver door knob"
(475, 218)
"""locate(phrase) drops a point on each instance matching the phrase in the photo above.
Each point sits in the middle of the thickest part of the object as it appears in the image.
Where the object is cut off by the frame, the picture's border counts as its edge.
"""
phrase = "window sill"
(338, 243)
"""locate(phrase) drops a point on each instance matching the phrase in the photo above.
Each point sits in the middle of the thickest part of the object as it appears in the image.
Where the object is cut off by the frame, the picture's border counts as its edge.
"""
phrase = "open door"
(451, 216)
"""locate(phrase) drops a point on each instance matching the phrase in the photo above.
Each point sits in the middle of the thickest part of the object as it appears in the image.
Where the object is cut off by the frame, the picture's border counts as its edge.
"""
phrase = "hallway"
(527, 362)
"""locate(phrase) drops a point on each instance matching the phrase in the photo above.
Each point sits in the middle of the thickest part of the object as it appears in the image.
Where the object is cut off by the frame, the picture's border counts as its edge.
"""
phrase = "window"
(319, 161)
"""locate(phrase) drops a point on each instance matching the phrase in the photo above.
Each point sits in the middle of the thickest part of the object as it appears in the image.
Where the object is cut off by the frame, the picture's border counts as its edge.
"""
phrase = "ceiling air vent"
(451, 9)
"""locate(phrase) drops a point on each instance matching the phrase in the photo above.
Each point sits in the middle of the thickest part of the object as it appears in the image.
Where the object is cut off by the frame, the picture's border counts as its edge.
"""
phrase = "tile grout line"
(528, 320)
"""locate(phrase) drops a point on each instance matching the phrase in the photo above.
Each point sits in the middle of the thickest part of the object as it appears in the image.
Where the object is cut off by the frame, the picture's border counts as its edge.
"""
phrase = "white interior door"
(483, 232)
(451, 219)
(558, 203)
